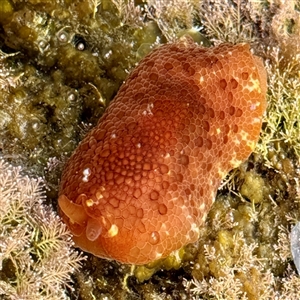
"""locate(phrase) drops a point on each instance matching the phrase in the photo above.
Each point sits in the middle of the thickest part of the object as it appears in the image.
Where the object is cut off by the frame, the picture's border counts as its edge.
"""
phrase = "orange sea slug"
(143, 180)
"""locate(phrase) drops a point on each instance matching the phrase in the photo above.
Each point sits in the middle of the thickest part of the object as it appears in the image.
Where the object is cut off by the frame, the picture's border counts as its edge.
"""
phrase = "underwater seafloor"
(61, 63)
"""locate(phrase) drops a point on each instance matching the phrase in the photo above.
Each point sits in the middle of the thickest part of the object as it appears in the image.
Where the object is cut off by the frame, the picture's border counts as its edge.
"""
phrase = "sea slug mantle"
(142, 181)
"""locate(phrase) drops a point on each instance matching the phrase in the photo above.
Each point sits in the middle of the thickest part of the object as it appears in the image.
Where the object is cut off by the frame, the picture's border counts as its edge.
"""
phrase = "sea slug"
(143, 180)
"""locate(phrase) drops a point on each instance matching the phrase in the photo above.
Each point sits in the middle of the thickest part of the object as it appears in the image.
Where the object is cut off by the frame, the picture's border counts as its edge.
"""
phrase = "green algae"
(69, 59)
(6, 11)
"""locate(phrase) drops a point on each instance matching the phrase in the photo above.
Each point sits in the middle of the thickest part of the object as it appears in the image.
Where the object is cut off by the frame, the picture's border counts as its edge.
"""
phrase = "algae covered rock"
(61, 64)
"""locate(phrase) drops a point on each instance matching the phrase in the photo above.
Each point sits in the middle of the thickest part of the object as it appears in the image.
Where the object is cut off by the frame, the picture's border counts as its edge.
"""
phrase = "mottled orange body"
(142, 181)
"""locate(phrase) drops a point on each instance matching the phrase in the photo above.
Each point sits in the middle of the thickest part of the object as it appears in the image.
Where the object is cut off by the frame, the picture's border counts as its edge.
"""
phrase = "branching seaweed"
(36, 257)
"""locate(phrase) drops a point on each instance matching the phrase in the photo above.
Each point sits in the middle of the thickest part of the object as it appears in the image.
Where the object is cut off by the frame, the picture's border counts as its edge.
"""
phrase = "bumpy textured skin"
(141, 183)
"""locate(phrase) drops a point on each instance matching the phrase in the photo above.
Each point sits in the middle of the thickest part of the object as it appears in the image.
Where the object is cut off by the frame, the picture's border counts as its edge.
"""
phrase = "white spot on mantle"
(148, 110)
(86, 173)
